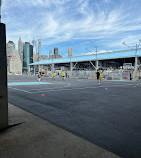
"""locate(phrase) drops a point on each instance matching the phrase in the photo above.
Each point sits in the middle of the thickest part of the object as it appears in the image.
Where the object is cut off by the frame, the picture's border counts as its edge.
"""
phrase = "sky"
(79, 24)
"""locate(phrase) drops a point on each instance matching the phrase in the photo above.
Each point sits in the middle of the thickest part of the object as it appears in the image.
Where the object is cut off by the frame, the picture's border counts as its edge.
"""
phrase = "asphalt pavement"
(29, 136)
(106, 114)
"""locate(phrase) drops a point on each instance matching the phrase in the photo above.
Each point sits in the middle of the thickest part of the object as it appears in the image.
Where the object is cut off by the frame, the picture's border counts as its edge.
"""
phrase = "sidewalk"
(34, 137)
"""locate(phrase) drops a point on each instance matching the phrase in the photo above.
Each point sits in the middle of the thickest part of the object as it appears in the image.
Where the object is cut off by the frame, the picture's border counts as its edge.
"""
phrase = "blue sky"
(78, 24)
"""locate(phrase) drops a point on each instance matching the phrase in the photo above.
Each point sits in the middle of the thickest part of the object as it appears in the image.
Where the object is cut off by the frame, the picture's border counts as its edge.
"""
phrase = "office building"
(10, 48)
(44, 57)
(56, 53)
(50, 54)
(34, 46)
(35, 57)
(15, 66)
(27, 56)
(39, 49)
(20, 48)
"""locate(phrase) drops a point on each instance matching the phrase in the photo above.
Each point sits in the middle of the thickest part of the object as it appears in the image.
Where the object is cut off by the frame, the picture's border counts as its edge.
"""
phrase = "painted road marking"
(27, 83)
(31, 90)
(70, 89)
(82, 88)
(19, 90)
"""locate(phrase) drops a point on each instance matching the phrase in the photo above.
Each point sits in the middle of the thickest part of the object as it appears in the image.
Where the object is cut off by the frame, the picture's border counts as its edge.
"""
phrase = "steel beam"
(92, 64)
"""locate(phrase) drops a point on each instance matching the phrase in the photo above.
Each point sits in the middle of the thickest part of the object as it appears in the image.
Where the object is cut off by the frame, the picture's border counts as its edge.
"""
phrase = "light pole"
(96, 59)
(136, 58)
(95, 53)
(52, 65)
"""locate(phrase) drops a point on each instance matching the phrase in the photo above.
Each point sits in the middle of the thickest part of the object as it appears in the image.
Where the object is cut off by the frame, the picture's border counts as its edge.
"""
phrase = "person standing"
(97, 75)
(130, 76)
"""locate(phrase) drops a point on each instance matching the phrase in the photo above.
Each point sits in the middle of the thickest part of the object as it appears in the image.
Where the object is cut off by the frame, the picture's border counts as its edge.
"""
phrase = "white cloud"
(64, 20)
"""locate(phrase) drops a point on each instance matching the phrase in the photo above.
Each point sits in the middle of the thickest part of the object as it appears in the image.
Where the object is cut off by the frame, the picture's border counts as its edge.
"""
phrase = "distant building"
(10, 48)
(27, 56)
(39, 49)
(15, 66)
(20, 48)
(50, 54)
(55, 55)
(70, 52)
(55, 52)
(34, 46)
(35, 57)
(44, 57)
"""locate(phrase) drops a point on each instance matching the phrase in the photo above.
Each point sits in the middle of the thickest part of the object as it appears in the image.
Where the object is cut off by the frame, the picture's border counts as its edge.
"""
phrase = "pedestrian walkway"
(31, 136)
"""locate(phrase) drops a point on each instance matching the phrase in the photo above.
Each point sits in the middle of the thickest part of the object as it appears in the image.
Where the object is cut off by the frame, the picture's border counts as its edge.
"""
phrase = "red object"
(43, 95)
(106, 89)
(8, 87)
(134, 86)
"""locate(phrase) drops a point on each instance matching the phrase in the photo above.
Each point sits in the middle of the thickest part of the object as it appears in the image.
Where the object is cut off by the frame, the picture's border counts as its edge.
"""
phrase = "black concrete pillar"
(3, 79)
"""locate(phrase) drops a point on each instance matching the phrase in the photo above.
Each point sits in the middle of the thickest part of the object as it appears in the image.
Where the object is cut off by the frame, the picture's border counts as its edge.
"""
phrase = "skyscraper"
(39, 49)
(35, 57)
(27, 56)
(20, 48)
(34, 46)
(10, 48)
(35, 54)
(56, 53)
(15, 63)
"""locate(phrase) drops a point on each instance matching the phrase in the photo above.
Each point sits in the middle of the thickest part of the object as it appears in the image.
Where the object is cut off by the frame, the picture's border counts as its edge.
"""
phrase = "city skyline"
(20, 43)
(88, 23)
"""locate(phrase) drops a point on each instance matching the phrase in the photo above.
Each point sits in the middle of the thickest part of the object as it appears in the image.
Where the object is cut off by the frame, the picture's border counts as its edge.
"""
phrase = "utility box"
(3, 79)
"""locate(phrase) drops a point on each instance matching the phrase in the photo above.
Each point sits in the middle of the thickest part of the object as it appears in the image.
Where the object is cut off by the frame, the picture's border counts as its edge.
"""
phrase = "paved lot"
(108, 115)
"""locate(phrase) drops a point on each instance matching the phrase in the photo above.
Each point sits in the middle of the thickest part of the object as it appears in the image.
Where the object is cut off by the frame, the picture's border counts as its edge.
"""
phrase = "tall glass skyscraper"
(34, 46)
(27, 56)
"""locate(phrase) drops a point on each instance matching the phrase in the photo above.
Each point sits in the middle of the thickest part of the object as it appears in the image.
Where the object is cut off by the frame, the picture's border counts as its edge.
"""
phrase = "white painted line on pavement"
(83, 88)
(19, 89)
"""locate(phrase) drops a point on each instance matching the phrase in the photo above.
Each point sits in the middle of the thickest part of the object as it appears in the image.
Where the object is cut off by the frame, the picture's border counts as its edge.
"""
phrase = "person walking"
(63, 75)
(39, 76)
(97, 75)
(100, 77)
(54, 75)
(42, 75)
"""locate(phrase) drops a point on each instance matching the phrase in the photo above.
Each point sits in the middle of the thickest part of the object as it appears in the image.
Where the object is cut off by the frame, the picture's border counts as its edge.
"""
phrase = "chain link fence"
(118, 74)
